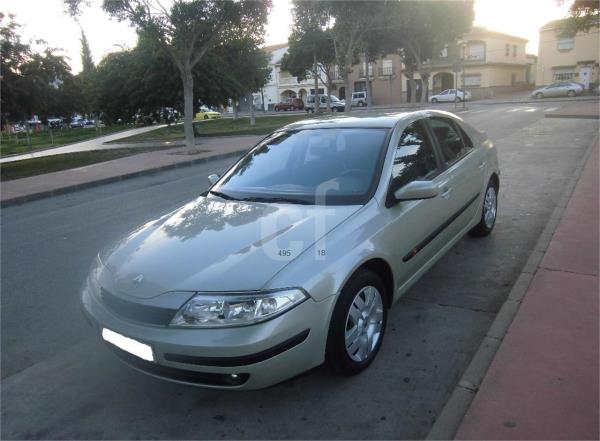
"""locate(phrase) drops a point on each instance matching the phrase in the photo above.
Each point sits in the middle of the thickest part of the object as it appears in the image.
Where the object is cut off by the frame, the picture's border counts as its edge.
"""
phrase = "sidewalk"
(36, 187)
(543, 381)
(586, 109)
(82, 146)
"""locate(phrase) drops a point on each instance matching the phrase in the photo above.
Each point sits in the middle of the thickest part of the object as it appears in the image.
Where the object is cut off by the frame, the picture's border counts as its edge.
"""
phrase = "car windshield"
(311, 166)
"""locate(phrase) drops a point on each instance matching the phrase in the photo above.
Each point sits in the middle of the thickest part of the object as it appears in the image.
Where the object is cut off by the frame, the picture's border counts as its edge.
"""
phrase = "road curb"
(76, 187)
(453, 412)
(550, 115)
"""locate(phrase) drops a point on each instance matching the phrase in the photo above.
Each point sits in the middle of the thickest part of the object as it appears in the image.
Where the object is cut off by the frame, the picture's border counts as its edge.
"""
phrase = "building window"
(564, 74)
(476, 51)
(360, 86)
(566, 43)
(507, 50)
(514, 50)
(444, 52)
(387, 68)
(473, 80)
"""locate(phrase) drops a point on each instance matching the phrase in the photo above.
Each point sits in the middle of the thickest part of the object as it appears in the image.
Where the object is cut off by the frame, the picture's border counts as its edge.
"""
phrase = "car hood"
(215, 245)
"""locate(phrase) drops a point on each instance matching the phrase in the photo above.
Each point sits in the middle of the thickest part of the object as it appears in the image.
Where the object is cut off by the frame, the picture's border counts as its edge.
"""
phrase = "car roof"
(382, 120)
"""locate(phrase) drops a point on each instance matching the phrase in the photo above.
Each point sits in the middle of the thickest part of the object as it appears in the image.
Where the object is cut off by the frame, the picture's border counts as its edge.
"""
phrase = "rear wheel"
(358, 324)
(334, 109)
(205, 116)
(361, 104)
(571, 93)
(488, 213)
(539, 95)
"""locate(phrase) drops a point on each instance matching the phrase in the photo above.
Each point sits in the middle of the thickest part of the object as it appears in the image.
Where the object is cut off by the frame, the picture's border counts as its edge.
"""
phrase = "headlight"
(215, 311)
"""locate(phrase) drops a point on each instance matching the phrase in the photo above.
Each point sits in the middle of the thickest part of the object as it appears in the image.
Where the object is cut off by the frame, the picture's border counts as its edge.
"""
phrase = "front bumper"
(248, 357)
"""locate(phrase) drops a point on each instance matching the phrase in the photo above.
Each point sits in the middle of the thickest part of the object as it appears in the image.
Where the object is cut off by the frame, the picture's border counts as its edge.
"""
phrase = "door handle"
(446, 192)
(481, 166)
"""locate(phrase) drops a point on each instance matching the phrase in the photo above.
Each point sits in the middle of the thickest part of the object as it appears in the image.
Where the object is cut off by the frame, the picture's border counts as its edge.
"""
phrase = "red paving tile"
(543, 382)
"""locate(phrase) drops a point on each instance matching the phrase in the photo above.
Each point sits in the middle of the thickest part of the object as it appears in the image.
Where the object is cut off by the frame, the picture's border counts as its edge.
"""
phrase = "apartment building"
(281, 84)
(492, 62)
(568, 57)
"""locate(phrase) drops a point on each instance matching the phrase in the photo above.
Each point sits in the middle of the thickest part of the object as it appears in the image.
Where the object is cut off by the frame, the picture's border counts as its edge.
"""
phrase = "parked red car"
(290, 104)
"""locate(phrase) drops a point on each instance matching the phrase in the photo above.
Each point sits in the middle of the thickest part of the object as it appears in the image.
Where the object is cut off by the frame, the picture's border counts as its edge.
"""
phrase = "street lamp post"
(463, 54)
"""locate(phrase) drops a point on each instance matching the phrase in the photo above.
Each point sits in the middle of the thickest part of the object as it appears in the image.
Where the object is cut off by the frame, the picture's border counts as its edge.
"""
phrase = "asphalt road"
(60, 382)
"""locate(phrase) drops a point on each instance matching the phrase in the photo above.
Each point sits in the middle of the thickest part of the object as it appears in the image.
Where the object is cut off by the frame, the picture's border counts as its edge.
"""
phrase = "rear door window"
(449, 139)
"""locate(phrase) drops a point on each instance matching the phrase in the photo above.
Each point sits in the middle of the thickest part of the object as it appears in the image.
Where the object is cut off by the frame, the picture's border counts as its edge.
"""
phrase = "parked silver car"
(450, 96)
(295, 254)
(563, 88)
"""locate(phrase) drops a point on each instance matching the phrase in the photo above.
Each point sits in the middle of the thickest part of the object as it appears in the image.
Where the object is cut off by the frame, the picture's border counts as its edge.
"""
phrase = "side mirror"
(416, 190)
(213, 179)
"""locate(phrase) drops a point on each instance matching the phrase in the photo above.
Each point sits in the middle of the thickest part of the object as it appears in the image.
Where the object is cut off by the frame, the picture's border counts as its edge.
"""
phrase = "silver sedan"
(563, 88)
(294, 256)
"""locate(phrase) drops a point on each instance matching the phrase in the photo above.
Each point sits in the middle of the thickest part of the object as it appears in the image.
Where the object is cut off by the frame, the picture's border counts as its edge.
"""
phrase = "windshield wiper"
(223, 195)
(277, 199)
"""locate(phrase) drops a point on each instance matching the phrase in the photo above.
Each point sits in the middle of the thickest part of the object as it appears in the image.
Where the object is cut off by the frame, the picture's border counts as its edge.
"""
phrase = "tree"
(353, 19)
(32, 83)
(189, 31)
(14, 54)
(583, 14)
(87, 63)
(311, 53)
(86, 80)
(419, 27)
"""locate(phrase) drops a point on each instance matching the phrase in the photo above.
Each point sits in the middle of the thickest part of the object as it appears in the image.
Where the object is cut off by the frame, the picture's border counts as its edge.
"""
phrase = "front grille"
(194, 377)
(152, 315)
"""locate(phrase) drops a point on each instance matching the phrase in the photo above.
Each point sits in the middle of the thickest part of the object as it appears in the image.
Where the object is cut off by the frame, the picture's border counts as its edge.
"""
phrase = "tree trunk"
(252, 114)
(424, 86)
(369, 83)
(235, 110)
(316, 77)
(188, 107)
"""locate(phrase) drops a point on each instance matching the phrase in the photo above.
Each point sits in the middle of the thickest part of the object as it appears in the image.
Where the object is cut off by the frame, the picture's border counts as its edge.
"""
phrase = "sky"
(46, 19)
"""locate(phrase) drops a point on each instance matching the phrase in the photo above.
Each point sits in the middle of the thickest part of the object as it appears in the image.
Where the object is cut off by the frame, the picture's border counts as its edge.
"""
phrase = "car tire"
(539, 95)
(205, 116)
(434, 100)
(489, 211)
(571, 93)
(361, 104)
(334, 109)
(362, 306)
(309, 110)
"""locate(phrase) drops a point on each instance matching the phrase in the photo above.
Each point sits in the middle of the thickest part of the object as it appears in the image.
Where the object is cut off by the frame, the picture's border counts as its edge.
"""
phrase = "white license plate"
(128, 344)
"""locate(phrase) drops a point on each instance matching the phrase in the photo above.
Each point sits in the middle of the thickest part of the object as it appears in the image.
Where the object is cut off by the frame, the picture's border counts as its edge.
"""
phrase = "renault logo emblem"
(138, 279)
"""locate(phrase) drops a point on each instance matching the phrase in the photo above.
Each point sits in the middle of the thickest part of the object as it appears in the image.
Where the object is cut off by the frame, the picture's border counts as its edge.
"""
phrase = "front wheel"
(334, 109)
(488, 213)
(571, 93)
(539, 95)
(434, 100)
(205, 116)
(358, 324)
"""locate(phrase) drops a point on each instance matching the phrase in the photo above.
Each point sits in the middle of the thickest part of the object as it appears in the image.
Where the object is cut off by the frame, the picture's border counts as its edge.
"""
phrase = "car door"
(451, 95)
(463, 175)
(411, 224)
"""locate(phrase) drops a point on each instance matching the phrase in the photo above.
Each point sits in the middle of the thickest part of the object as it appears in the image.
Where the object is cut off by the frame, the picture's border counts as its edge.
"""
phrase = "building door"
(342, 93)
(585, 73)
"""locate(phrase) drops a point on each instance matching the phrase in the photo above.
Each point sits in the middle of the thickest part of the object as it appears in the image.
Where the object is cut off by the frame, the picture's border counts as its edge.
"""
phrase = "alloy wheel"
(490, 207)
(363, 324)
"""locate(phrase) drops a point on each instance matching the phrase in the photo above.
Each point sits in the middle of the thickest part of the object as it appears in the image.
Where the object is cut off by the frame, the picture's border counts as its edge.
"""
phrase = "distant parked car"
(450, 96)
(206, 113)
(289, 104)
(337, 105)
(77, 122)
(359, 99)
(562, 88)
(55, 123)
